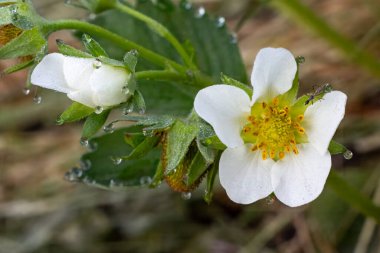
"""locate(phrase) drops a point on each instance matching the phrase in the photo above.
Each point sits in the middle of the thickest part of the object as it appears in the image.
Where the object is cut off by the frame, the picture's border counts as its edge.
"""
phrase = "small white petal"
(273, 73)
(49, 73)
(322, 119)
(244, 175)
(299, 179)
(84, 97)
(107, 83)
(78, 71)
(226, 109)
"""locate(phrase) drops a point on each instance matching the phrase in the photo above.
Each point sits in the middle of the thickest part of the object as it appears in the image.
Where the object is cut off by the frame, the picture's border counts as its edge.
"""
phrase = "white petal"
(78, 71)
(244, 175)
(83, 97)
(107, 83)
(322, 119)
(49, 73)
(226, 108)
(299, 179)
(273, 73)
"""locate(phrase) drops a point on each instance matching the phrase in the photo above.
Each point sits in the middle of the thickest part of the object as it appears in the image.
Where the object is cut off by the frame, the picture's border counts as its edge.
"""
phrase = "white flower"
(273, 144)
(84, 80)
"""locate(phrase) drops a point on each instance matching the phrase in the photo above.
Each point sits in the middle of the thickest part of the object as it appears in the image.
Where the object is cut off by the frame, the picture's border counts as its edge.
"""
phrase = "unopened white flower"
(273, 144)
(84, 80)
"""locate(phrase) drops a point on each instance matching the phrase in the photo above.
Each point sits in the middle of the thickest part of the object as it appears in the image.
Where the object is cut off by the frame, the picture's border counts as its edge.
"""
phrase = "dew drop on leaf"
(186, 195)
(110, 128)
(85, 164)
(116, 160)
(348, 154)
(200, 12)
(220, 22)
(145, 180)
(26, 91)
(186, 5)
(125, 90)
(234, 38)
(84, 142)
(37, 99)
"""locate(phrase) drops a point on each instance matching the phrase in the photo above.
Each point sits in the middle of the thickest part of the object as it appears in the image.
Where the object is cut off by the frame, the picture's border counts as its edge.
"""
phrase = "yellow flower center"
(274, 128)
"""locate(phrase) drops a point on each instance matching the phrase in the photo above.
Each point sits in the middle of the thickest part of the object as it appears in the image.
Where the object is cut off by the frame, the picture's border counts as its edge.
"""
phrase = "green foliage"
(143, 148)
(17, 67)
(71, 51)
(215, 51)
(30, 42)
(93, 123)
(336, 148)
(92, 46)
(102, 171)
(75, 112)
(230, 81)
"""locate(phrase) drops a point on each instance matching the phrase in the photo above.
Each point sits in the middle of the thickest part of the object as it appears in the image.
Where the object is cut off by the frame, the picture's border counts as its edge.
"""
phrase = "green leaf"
(130, 60)
(75, 112)
(92, 46)
(353, 196)
(103, 172)
(152, 123)
(93, 123)
(139, 102)
(215, 51)
(230, 81)
(178, 141)
(71, 51)
(133, 139)
(30, 42)
(143, 148)
(336, 148)
(211, 175)
(18, 67)
(5, 17)
(197, 168)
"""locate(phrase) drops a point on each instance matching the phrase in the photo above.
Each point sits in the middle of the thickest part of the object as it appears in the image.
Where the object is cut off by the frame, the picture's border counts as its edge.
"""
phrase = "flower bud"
(85, 80)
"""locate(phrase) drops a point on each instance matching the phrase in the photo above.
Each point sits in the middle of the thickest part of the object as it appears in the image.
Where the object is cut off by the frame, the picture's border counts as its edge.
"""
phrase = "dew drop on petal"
(300, 59)
(37, 99)
(26, 91)
(97, 64)
(99, 109)
(116, 160)
(186, 195)
(348, 154)
(220, 22)
(200, 12)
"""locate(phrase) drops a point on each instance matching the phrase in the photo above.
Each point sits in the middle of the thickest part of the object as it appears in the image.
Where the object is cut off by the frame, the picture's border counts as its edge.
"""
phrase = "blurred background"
(41, 212)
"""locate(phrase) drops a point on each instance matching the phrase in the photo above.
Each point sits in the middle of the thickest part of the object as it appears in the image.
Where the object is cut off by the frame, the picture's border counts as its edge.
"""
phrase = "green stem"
(353, 197)
(307, 17)
(159, 29)
(118, 40)
(198, 78)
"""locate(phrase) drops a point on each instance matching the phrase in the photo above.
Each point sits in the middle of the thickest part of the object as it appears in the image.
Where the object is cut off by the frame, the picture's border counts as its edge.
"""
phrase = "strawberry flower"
(84, 80)
(274, 144)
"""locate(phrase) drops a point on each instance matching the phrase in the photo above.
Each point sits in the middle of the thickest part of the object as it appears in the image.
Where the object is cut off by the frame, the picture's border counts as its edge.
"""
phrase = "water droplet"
(85, 164)
(145, 180)
(110, 128)
(135, 52)
(234, 38)
(125, 90)
(270, 200)
(92, 16)
(26, 91)
(112, 183)
(186, 195)
(220, 22)
(92, 146)
(97, 64)
(84, 142)
(116, 160)
(74, 174)
(300, 59)
(37, 99)
(348, 154)
(13, 9)
(128, 110)
(200, 12)
(99, 109)
(87, 180)
(186, 5)
(142, 111)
